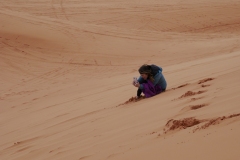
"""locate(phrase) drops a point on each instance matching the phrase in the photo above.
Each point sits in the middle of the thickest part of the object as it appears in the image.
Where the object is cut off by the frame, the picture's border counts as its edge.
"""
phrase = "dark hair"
(146, 69)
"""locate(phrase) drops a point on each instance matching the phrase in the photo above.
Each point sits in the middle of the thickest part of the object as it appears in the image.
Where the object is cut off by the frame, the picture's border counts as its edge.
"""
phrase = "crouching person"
(151, 81)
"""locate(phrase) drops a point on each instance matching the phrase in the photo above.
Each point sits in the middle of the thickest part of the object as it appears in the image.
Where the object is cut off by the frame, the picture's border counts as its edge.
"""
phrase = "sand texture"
(66, 69)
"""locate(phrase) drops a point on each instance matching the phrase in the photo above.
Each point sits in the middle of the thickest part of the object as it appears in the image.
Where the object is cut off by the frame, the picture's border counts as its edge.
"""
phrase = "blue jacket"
(158, 80)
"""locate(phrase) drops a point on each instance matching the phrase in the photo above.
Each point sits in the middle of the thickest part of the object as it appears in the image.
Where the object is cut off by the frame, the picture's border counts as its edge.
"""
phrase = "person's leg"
(139, 92)
(141, 80)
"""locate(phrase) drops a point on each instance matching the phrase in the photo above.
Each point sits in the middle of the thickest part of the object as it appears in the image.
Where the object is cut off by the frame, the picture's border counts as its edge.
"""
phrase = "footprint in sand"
(132, 100)
(203, 85)
(180, 86)
(190, 93)
(194, 107)
(215, 121)
(190, 108)
(194, 99)
(185, 123)
(16, 143)
(172, 124)
(205, 80)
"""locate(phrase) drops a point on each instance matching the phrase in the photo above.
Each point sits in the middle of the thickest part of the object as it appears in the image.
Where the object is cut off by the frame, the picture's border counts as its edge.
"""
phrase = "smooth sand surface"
(66, 70)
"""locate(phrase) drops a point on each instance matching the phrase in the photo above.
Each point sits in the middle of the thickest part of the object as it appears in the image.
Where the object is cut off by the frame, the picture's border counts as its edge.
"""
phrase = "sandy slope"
(66, 67)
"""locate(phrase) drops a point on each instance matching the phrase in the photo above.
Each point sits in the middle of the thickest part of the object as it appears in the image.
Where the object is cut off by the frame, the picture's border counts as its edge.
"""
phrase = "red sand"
(66, 65)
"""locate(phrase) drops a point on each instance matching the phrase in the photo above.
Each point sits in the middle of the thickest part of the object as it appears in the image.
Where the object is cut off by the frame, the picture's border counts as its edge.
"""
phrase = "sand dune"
(66, 69)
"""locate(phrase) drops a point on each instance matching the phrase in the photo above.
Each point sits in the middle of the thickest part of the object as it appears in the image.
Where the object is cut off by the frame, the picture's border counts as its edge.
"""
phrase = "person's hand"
(137, 85)
(133, 83)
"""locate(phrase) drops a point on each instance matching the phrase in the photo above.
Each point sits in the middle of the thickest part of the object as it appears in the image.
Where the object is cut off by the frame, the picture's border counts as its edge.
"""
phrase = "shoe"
(138, 97)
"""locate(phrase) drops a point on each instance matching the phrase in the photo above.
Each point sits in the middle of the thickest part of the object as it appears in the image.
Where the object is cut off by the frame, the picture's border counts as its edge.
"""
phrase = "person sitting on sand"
(151, 81)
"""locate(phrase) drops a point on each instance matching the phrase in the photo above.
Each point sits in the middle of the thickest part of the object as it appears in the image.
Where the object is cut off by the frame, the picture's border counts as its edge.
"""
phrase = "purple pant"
(150, 90)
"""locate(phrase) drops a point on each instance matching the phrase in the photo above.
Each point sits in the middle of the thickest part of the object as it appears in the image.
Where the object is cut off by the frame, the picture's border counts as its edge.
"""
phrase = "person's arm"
(141, 87)
(140, 80)
(157, 77)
